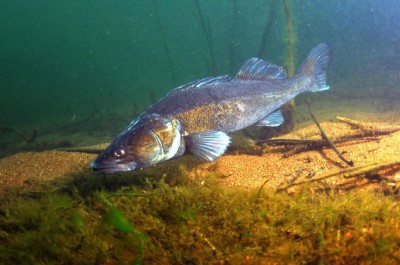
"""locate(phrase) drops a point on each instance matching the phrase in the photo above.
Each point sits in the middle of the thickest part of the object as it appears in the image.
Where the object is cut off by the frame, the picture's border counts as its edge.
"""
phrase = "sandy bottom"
(242, 166)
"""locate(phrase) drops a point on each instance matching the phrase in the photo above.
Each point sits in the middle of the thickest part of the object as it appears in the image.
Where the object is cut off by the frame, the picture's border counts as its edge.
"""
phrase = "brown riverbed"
(245, 165)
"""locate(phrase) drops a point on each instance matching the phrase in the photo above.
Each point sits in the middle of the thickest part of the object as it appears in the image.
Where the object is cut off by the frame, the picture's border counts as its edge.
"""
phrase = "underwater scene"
(200, 132)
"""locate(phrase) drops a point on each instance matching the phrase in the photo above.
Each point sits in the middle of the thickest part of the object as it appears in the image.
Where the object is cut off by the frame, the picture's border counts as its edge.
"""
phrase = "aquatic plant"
(291, 39)
(132, 225)
(271, 18)
(164, 41)
(233, 41)
(206, 28)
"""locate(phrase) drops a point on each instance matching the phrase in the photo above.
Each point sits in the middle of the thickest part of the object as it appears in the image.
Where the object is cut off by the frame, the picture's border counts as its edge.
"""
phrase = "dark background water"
(61, 61)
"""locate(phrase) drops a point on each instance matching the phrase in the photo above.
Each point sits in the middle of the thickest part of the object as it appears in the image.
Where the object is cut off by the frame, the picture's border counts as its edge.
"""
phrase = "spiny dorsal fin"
(258, 69)
(203, 82)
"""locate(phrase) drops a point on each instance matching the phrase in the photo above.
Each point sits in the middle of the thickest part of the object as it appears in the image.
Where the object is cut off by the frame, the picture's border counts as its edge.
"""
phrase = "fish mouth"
(108, 169)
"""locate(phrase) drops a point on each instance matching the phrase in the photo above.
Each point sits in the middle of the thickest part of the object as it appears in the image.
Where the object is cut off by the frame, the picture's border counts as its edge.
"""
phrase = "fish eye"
(119, 153)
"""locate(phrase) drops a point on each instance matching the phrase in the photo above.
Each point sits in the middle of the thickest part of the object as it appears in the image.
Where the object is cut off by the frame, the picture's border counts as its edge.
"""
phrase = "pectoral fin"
(208, 145)
(272, 120)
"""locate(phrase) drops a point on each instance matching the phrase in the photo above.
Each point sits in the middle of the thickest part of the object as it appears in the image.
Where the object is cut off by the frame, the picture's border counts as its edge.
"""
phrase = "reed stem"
(165, 45)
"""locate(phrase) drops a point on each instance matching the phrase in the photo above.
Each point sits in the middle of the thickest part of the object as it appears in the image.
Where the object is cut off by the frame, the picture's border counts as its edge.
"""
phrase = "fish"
(198, 117)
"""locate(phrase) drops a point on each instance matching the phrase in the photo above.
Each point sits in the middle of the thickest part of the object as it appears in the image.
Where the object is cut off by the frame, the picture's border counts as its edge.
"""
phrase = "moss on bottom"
(199, 224)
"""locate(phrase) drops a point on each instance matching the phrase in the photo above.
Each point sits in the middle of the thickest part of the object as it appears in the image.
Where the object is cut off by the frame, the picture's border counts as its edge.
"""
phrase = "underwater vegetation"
(154, 223)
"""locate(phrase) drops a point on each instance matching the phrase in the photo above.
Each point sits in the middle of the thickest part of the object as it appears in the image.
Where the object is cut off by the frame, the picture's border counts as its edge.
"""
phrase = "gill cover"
(146, 141)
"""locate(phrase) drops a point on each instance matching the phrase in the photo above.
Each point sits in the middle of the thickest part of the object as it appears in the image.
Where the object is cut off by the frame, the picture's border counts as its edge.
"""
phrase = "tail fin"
(315, 66)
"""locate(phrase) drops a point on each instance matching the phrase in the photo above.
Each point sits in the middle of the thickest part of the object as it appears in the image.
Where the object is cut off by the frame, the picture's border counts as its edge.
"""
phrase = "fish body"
(228, 106)
(197, 117)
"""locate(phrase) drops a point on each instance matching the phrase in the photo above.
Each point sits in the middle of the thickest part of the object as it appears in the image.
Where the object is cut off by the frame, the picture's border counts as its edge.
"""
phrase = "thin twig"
(219, 254)
(262, 186)
(348, 162)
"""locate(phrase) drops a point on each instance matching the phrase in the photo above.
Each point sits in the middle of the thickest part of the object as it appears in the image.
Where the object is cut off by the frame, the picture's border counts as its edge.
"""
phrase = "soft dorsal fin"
(203, 82)
(258, 69)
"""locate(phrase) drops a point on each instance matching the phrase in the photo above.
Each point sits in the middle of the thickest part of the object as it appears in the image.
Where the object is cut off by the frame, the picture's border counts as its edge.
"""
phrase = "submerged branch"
(348, 173)
(369, 130)
(311, 144)
(368, 133)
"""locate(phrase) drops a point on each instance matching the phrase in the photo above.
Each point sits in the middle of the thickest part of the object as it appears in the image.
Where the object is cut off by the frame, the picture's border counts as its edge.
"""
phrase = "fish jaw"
(112, 168)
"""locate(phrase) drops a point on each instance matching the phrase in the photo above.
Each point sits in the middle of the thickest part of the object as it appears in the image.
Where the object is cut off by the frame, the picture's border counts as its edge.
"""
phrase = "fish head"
(148, 140)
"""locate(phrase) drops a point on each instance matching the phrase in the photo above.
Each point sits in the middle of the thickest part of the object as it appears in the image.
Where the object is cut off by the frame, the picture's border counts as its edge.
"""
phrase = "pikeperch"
(198, 116)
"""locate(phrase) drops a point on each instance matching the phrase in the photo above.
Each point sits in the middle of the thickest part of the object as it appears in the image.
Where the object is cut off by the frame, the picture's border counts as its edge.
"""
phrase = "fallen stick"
(81, 150)
(348, 173)
(369, 130)
(315, 144)
(302, 145)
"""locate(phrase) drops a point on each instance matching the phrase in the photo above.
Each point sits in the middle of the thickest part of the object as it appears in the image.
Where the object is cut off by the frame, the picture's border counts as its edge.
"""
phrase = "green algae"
(195, 224)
